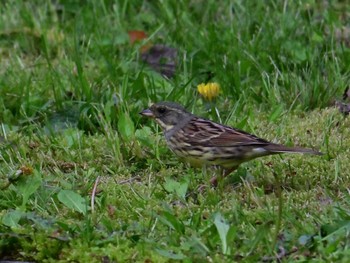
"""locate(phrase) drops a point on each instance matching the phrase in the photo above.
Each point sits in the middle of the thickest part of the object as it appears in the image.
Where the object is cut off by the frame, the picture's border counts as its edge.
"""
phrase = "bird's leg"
(225, 172)
(202, 187)
(215, 180)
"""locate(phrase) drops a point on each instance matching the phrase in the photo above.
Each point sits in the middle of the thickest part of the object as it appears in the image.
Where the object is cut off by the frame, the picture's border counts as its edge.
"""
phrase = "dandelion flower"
(209, 91)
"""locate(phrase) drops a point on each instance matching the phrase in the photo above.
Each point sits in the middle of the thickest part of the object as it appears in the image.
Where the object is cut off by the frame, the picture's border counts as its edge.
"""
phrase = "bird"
(202, 142)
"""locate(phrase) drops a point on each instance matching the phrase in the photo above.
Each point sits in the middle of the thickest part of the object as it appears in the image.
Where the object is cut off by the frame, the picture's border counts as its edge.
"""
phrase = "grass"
(71, 89)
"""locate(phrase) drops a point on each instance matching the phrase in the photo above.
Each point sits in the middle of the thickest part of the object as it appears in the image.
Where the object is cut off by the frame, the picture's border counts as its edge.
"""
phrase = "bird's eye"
(161, 109)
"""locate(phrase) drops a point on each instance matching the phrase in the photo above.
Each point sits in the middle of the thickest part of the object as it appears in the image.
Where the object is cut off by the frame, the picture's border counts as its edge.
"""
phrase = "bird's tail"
(278, 148)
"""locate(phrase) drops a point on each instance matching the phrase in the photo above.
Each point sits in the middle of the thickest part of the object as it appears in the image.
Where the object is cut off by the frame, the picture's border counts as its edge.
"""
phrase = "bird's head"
(166, 114)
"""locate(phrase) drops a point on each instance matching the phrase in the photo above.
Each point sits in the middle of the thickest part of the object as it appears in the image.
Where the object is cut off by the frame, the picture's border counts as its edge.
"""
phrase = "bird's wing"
(204, 132)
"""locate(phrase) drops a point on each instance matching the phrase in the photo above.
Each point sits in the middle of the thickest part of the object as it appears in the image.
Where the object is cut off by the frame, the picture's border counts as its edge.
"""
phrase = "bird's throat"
(165, 127)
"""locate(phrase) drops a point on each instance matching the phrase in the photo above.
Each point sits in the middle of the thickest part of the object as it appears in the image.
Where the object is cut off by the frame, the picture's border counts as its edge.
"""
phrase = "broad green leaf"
(261, 233)
(277, 112)
(300, 53)
(194, 244)
(108, 109)
(171, 221)
(170, 254)
(12, 218)
(72, 136)
(180, 188)
(337, 228)
(223, 228)
(145, 136)
(72, 200)
(126, 126)
(28, 186)
(243, 123)
(121, 38)
(318, 38)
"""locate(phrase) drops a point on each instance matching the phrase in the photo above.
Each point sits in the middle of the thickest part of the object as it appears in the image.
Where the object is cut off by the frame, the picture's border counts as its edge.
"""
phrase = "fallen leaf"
(162, 59)
(137, 36)
(343, 107)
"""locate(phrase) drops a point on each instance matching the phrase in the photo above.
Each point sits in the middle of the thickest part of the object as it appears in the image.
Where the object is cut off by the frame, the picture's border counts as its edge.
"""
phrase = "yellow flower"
(209, 91)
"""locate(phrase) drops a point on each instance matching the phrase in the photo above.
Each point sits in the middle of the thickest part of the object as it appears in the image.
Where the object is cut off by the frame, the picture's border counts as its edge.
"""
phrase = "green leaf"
(121, 38)
(334, 229)
(72, 200)
(243, 123)
(171, 221)
(109, 110)
(28, 186)
(72, 136)
(170, 254)
(194, 244)
(145, 136)
(318, 38)
(126, 127)
(277, 112)
(180, 188)
(12, 218)
(223, 228)
(300, 54)
(261, 233)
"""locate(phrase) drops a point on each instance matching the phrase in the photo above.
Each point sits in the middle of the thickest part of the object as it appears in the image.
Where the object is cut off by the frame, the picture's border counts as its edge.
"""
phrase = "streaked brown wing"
(207, 133)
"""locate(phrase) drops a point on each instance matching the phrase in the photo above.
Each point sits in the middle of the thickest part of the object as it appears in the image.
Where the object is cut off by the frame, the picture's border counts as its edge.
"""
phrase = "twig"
(280, 255)
(280, 208)
(135, 178)
(93, 193)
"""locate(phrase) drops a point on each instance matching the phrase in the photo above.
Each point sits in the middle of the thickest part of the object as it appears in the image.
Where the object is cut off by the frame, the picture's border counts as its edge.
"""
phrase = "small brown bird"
(203, 142)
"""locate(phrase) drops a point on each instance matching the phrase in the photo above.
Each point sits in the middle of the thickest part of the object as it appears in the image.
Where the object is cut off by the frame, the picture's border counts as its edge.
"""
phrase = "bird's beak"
(147, 113)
